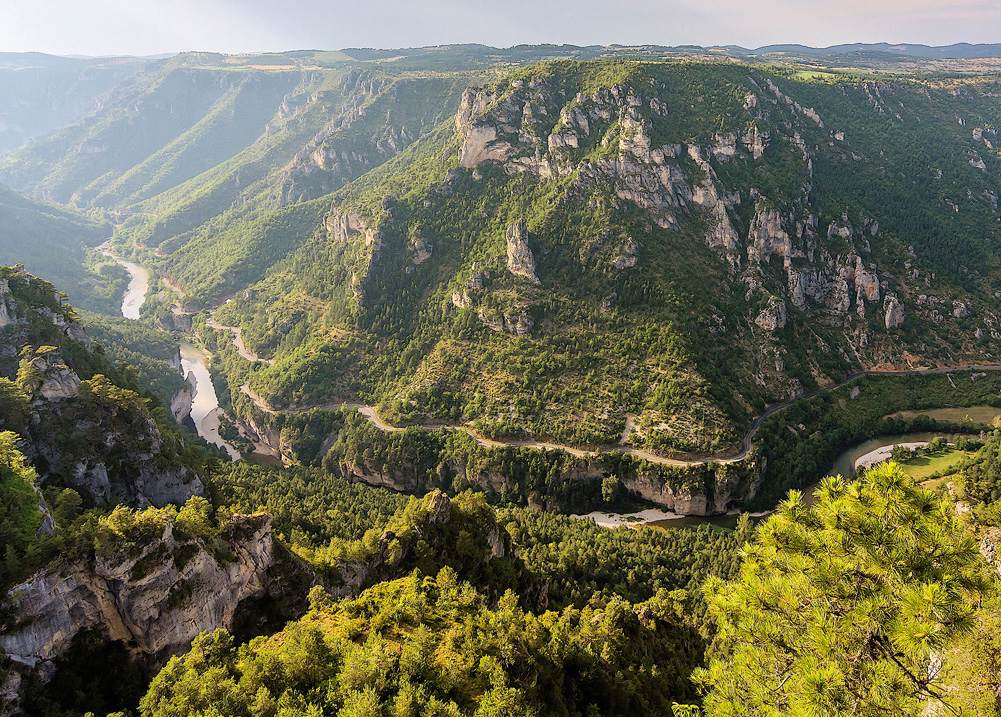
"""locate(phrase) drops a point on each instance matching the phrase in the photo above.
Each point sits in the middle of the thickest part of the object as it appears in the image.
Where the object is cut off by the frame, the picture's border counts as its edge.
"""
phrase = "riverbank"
(205, 410)
(135, 293)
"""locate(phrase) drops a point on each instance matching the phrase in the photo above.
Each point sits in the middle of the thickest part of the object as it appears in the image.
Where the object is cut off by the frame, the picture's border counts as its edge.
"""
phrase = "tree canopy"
(843, 607)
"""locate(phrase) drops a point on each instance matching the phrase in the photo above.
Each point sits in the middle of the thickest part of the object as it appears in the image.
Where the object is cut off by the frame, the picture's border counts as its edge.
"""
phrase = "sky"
(148, 27)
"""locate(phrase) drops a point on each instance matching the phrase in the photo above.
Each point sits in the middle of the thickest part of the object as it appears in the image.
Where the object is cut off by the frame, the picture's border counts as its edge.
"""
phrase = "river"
(135, 295)
(205, 410)
(844, 466)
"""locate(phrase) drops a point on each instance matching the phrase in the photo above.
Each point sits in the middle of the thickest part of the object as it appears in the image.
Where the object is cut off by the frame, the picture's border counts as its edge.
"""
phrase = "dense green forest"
(434, 643)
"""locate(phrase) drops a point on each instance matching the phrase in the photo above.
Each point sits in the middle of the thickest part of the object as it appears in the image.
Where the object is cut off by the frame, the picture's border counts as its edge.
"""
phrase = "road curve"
(241, 347)
(371, 413)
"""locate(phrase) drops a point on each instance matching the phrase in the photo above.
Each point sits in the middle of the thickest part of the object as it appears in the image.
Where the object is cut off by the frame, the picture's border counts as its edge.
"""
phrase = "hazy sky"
(143, 27)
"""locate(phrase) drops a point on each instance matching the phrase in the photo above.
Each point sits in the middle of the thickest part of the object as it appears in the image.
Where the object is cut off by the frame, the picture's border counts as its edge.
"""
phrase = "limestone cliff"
(520, 260)
(126, 459)
(153, 598)
(180, 404)
(706, 489)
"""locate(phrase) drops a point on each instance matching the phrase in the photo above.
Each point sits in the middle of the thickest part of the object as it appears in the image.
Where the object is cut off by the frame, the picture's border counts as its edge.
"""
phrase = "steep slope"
(682, 243)
(42, 93)
(83, 423)
(207, 153)
(55, 243)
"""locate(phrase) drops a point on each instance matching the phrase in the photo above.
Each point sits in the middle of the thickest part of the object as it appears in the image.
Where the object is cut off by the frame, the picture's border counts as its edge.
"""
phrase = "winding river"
(135, 295)
(205, 410)
(206, 415)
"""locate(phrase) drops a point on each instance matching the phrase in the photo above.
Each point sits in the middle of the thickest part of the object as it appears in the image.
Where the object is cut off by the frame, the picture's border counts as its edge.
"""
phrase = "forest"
(605, 248)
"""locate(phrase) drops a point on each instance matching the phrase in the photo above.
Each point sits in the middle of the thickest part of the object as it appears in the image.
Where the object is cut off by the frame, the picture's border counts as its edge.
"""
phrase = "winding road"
(372, 414)
(241, 348)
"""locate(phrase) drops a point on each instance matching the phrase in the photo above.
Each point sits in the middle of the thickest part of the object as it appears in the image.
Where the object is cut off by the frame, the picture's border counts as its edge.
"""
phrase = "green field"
(815, 75)
(984, 415)
(922, 467)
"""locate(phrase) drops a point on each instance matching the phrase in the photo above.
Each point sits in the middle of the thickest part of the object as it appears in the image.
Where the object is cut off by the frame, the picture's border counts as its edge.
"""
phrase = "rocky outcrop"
(720, 233)
(420, 251)
(342, 227)
(683, 500)
(56, 381)
(773, 317)
(990, 548)
(894, 312)
(6, 304)
(461, 299)
(520, 260)
(628, 258)
(704, 489)
(180, 404)
(514, 320)
(698, 490)
(154, 600)
(124, 459)
(767, 237)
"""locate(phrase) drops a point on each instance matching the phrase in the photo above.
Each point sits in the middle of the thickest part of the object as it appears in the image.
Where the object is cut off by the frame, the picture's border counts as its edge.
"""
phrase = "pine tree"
(840, 608)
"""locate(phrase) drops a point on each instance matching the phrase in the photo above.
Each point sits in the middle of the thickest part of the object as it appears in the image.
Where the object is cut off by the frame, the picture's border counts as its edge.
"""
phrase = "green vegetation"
(326, 519)
(429, 646)
(635, 314)
(972, 415)
(802, 441)
(56, 243)
(335, 199)
(151, 353)
(20, 516)
(670, 341)
(839, 608)
(423, 643)
(922, 464)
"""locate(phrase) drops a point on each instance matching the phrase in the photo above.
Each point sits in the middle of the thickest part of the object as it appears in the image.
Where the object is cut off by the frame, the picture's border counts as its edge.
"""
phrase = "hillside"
(680, 243)
(559, 249)
(82, 423)
(204, 157)
(56, 243)
(41, 93)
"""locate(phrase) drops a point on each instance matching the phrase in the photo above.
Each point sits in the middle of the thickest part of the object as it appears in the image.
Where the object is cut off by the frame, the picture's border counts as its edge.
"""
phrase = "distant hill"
(40, 93)
(561, 246)
(961, 50)
(54, 242)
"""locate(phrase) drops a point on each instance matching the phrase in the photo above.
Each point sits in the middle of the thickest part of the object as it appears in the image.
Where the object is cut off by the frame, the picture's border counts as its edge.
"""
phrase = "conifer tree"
(841, 608)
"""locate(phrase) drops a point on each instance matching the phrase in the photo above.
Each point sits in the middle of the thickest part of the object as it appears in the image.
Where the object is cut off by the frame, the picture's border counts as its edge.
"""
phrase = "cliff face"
(126, 459)
(671, 182)
(698, 490)
(180, 404)
(842, 272)
(154, 600)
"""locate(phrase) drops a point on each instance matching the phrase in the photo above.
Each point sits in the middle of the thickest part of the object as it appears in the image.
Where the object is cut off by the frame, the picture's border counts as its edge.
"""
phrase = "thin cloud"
(156, 26)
